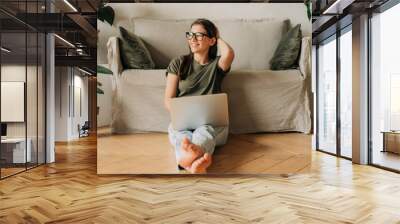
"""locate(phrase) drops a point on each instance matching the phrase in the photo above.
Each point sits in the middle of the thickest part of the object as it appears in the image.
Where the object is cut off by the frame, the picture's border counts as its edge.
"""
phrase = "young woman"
(199, 73)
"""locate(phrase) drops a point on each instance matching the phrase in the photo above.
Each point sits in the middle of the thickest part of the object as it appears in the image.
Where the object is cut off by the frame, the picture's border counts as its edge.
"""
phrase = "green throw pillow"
(287, 25)
(133, 52)
(287, 53)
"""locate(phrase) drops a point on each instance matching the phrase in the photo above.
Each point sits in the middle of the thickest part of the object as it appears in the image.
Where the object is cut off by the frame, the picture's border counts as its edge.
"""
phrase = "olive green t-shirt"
(200, 80)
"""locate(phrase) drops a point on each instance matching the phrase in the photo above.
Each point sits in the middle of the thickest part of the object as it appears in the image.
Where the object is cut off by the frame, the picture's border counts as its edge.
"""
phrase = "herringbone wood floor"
(151, 153)
(69, 191)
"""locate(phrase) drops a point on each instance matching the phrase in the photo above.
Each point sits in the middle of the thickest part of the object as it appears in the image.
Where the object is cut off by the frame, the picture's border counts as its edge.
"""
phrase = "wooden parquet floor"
(69, 191)
(151, 153)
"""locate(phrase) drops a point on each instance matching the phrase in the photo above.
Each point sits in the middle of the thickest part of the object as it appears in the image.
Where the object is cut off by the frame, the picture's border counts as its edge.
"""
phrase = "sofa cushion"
(253, 40)
(287, 53)
(133, 52)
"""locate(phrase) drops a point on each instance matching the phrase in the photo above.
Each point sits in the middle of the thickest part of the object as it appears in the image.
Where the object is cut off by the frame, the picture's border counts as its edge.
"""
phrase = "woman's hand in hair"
(227, 54)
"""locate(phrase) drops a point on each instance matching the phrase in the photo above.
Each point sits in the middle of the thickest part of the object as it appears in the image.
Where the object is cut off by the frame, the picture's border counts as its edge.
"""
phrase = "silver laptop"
(190, 112)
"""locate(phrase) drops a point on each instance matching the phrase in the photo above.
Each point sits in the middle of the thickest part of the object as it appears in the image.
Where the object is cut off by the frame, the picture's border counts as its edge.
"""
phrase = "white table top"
(13, 140)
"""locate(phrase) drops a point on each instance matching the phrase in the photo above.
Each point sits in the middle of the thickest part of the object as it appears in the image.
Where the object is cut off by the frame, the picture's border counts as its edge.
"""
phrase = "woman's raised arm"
(227, 54)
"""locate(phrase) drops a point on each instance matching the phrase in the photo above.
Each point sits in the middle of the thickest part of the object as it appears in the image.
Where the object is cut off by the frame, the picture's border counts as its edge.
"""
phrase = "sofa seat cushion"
(261, 78)
(235, 78)
(267, 100)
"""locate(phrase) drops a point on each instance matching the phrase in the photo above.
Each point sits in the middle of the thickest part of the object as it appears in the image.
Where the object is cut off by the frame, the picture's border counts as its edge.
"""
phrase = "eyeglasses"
(199, 36)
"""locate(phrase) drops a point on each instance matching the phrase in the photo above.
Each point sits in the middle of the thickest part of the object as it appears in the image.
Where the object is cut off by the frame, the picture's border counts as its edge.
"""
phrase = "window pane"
(327, 97)
(346, 94)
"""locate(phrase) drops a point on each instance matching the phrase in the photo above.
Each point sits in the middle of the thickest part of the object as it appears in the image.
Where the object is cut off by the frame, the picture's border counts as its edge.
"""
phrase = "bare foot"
(201, 164)
(189, 153)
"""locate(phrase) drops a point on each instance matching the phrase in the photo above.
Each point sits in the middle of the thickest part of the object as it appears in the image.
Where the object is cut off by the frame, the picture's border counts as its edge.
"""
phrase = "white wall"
(61, 103)
(68, 80)
(296, 12)
(33, 127)
(17, 73)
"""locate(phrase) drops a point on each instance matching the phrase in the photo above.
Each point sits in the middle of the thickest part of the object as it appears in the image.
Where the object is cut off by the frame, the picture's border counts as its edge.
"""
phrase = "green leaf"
(99, 83)
(99, 91)
(103, 70)
(307, 3)
(106, 14)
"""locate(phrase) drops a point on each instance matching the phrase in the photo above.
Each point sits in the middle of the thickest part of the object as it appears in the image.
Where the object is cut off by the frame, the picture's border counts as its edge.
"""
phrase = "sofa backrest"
(254, 40)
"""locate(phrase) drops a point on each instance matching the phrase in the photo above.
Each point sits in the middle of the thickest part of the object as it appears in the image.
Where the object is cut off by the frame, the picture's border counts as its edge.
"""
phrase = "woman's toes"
(207, 157)
(200, 165)
(185, 144)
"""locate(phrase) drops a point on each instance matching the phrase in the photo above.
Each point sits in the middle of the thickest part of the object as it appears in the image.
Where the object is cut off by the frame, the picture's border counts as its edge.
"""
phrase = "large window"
(334, 95)
(327, 96)
(385, 89)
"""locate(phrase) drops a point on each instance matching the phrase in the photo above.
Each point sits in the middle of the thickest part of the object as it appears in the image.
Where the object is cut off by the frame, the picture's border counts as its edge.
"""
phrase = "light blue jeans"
(205, 136)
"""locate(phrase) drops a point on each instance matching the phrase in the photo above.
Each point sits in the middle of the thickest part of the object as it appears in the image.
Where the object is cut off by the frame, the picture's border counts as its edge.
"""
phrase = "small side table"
(391, 141)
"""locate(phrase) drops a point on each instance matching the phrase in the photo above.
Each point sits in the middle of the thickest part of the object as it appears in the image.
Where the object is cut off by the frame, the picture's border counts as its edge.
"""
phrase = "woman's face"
(199, 46)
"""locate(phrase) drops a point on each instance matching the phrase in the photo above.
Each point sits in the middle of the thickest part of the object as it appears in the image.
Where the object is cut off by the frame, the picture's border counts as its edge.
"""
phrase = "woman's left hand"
(227, 54)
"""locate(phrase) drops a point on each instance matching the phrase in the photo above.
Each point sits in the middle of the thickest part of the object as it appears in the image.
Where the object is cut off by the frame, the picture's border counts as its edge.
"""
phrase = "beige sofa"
(260, 100)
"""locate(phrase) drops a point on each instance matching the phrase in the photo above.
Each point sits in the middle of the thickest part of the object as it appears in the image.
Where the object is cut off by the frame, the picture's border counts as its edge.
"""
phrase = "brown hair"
(212, 51)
